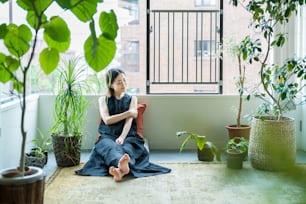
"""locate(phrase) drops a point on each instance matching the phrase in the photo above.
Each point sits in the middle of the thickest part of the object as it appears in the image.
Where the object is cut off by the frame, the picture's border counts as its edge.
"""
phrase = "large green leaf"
(108, 25)
(57, 34)
(34, 21)
(12, 63)
(4, 75)
(3, 30)
(17, 39)
(7, 66)
(49, 59)
(84, 10)
(39, 6)
(57, 29)
(99, 55)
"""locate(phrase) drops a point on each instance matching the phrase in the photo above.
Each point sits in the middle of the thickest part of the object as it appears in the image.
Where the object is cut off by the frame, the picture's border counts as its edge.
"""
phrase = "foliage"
(245, 51)
(70, 102)
(282, 84)
(201, 142)
(21, 41)
(43, 143)
(238, 144)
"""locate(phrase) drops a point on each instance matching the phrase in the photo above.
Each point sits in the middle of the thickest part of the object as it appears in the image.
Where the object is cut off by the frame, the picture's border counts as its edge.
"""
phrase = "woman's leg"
(122, 169)
(114, 157)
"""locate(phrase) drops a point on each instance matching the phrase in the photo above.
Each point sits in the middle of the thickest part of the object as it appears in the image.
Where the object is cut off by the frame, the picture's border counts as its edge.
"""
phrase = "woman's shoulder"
(103, 97)
(130, 97)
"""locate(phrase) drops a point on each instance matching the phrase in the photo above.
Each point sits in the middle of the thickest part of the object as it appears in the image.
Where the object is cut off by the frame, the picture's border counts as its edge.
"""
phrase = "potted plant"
(69, 109)
(16, 184)
(207, 151)
(39, 154)
(236, 151)
(245, 52)
(272, 138)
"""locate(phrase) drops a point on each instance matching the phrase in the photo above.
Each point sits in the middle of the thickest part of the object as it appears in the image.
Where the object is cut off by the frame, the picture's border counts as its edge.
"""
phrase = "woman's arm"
(108, 120)
(128, 122)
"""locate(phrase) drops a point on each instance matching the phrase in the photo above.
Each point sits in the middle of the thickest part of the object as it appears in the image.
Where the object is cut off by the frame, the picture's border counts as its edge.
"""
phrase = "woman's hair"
(111, 75)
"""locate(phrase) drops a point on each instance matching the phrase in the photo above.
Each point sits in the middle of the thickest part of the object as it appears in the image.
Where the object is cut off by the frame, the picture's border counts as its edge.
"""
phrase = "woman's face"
(119, 85)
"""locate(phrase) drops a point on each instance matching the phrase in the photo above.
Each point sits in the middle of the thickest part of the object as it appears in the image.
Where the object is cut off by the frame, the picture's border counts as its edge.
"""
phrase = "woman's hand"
(120, 140)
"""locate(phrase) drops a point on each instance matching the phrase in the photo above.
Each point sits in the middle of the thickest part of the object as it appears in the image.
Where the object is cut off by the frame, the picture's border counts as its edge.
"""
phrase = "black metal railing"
(182, 49)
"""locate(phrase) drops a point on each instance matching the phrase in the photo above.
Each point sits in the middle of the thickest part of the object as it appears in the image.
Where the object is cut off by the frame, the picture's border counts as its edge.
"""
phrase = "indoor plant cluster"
(281, 86)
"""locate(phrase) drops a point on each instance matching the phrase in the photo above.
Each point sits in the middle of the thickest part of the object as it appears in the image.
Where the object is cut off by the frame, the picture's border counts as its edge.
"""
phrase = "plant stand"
(272, 143)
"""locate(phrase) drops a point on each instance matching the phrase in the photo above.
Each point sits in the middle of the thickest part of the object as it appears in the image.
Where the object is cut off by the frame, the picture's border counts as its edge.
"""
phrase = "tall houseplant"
(69, 116)
(245, 52)
(21, 44)
(281, 87)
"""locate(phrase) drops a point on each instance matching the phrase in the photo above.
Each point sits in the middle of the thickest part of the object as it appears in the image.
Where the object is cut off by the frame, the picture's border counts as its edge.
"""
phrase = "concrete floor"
(156, 156)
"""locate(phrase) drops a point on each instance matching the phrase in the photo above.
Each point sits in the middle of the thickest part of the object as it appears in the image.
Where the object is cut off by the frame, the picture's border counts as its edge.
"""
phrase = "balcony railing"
(182, 51)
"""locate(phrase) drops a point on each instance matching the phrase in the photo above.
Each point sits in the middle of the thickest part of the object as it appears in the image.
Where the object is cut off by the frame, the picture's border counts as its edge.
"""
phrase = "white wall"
(10, 139)
(206, 115)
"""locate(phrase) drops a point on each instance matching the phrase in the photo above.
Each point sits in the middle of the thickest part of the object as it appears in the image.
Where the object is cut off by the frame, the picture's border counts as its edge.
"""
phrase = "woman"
(119, 151)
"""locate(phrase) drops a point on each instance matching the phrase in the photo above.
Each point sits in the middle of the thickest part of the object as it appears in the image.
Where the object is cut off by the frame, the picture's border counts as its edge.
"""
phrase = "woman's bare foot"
(124, 164)
(116, 173)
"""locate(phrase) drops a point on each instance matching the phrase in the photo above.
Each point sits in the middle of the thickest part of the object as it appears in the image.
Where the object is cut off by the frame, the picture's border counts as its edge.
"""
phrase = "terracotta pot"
(242, 131)
(22, 189)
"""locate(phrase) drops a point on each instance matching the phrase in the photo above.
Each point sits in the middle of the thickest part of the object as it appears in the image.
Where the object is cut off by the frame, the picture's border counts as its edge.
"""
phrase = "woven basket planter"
(272, 143)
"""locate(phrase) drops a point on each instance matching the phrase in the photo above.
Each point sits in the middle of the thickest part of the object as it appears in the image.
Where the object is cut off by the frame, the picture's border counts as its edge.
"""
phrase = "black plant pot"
(235, 160)
(32, 160)
(205, 154)
(67, 150)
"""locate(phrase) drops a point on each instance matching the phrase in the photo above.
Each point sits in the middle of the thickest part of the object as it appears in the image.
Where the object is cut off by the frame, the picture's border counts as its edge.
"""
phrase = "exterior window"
(205, 3)
(205, 48)
(130, 56)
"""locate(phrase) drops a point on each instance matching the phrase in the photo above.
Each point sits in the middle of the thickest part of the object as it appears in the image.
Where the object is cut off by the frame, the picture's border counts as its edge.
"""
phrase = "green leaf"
(39, 6)
(57, 34)
(201, 140)
(3, 30)
(17, 86)
(17, 39)
(99, 55)
(34, 21)
(49, 59)
(83, 10)
(57, 29)
(4, 74)
(12, 63)
(108, 25)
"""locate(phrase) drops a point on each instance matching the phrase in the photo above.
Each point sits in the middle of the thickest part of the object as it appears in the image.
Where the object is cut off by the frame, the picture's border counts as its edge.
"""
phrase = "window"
(205, 48)
(209, 3)
(130, 56)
